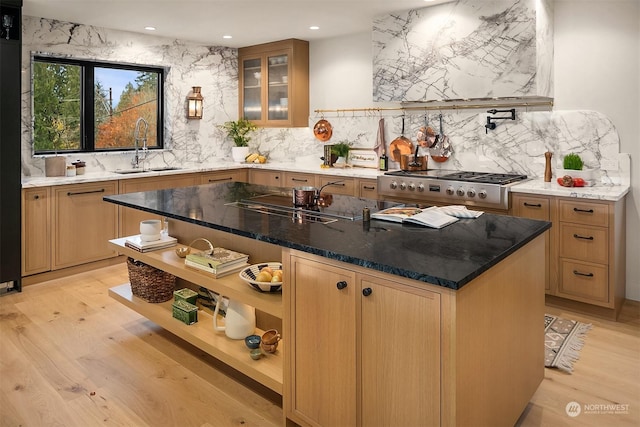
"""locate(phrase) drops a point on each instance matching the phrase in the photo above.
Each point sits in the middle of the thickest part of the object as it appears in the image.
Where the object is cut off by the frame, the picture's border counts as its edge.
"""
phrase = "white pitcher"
(240, 320)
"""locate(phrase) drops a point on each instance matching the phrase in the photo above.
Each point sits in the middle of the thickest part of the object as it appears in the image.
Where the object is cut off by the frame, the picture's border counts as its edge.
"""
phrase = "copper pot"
(411, 162)
(323, 130)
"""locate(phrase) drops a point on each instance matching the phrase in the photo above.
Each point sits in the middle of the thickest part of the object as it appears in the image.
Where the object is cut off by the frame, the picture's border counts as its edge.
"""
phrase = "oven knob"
(450, 191)
(403, 186)
(393, 185)
(421, 188)
(412, 187)
(471, 192)
(460, 191)
(482, 194)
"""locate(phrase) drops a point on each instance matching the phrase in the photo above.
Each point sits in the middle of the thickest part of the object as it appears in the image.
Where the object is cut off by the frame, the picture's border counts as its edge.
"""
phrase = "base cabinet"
(36, 230)
(363, 350)
(585, 250)
(83, 223)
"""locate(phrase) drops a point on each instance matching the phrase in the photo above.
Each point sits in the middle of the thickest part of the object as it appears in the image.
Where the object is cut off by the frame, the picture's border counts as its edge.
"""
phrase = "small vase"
(239, 154)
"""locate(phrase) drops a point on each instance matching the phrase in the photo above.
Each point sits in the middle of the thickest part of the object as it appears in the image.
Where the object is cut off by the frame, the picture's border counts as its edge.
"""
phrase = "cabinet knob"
(341, 284)
(36, 197)
(367, 291)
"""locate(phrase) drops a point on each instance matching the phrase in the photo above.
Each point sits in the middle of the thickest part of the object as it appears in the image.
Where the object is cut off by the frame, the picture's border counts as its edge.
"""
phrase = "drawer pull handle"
(533, 205)
(85, 192)
(341, 285)
(577, 236)
(577, 273)
(367, 291)
(299, 180)
(583, 210)
(220, 179)
(366, 187)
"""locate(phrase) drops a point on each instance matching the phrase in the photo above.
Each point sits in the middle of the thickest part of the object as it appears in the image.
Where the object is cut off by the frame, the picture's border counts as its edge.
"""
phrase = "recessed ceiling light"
(149, 28)
(227, 37)
(314, 27)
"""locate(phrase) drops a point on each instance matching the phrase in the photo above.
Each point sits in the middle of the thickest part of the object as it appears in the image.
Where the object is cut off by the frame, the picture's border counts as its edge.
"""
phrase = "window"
(81, 106)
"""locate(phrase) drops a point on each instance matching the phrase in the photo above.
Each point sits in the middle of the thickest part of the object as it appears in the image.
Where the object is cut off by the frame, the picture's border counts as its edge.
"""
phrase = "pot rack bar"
(442, 105)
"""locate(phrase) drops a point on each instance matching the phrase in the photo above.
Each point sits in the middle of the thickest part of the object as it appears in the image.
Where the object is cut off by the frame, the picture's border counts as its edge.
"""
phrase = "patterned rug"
(563, 340)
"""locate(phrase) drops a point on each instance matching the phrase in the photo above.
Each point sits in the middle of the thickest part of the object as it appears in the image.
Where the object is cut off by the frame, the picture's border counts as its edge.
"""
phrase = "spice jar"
(80, 167)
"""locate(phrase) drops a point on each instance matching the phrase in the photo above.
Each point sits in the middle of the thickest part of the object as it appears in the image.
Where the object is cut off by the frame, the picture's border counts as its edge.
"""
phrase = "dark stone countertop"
(449, 257)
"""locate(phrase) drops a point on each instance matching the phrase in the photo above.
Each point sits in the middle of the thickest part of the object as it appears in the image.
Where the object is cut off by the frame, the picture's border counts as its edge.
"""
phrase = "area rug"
(563, 340)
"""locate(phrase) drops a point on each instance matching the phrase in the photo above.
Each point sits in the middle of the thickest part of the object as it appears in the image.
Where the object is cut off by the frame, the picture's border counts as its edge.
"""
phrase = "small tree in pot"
(239, 131)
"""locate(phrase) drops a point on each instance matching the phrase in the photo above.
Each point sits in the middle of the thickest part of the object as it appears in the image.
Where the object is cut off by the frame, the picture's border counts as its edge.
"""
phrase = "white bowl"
(249, 275)
(150, 227)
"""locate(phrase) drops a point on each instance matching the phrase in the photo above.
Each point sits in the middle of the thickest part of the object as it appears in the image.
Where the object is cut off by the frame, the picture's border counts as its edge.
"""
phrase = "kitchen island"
(400, 324)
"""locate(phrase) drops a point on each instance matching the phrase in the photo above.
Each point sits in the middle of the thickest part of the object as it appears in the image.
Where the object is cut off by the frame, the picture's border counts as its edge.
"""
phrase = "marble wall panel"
(463, 49)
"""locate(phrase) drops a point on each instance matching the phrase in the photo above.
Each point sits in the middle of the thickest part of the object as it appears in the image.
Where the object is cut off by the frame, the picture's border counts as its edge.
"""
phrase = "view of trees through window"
(81, 106)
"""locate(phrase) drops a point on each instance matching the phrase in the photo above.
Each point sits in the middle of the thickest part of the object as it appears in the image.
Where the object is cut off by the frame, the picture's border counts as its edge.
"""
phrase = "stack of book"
(136, 243)
(220, 262)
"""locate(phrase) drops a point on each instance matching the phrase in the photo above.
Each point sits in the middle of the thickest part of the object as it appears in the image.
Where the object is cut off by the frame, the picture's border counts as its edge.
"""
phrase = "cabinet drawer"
(584, 243)
(293, 179)
(368, 189)
(589, 213)
(584, 282)
(341, 186)
(531, 207)
(223, 176)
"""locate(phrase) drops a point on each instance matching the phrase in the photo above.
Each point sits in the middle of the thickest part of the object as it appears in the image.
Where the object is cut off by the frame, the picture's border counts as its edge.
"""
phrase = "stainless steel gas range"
(480, 189)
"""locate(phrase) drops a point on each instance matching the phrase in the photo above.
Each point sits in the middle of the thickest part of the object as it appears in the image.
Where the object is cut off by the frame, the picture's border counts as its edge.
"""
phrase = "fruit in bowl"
(264, 277)
(255, 158)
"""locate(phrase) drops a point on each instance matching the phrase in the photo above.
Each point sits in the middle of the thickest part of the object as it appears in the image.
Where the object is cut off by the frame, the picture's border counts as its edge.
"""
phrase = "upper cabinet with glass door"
(274, 83)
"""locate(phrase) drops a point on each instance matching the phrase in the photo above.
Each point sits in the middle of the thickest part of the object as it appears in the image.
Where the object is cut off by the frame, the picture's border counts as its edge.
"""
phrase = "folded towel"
(459, 211)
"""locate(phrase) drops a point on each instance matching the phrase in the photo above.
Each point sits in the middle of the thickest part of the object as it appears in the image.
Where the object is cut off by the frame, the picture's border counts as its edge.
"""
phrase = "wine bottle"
(384, 161)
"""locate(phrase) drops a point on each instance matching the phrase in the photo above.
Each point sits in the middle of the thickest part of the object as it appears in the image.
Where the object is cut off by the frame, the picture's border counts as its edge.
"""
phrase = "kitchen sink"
(133, 171)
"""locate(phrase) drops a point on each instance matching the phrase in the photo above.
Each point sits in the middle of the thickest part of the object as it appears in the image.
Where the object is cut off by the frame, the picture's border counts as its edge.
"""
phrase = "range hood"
(465, 50)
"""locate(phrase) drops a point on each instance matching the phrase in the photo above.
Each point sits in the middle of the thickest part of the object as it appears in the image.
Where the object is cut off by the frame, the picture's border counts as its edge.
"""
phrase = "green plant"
(572, 161)
(238, 130)
(341, 149)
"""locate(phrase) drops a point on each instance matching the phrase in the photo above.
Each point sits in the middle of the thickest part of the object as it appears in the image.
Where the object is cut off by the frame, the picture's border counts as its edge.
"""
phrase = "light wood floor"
(72, 356)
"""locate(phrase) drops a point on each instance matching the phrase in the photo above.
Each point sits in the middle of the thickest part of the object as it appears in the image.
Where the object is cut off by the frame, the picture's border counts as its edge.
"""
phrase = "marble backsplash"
(514, 146)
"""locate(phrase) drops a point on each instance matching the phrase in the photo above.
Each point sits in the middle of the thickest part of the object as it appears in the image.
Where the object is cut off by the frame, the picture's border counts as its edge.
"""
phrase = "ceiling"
(249, 22)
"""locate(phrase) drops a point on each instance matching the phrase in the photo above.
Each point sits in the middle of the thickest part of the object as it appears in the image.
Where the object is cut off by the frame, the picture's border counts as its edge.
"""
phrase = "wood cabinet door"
(130, 218)
(265, 177)
(83, 223)
(368, 189)
(297, 179)
(36, 230)
(237, 175)
(527, 206)
(323, 344)
(399, 353)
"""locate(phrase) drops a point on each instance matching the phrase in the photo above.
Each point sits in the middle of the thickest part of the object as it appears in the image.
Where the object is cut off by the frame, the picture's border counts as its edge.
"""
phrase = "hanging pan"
(442, 149)
(399, 146)
(323, 130)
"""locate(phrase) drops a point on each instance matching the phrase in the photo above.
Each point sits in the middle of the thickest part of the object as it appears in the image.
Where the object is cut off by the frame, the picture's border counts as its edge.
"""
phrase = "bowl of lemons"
(263, 277)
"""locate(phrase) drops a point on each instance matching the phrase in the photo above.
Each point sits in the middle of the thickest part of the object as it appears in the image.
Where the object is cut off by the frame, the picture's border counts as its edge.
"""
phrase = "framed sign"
(363, 157)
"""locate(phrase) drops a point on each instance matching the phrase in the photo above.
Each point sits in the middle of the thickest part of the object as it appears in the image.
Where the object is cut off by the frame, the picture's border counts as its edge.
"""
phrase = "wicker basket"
(149, 283)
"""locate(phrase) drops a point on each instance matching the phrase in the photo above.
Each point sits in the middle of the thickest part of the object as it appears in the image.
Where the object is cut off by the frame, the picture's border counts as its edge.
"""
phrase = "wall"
(597, 67)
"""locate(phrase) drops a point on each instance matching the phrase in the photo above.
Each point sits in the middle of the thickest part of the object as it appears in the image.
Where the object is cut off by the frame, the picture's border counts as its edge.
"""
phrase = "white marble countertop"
(530, 186)
(599, 191)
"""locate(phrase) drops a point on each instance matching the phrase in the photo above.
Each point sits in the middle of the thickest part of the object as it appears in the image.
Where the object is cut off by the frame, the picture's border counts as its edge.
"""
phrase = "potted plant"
(340, 152)
(238, 131)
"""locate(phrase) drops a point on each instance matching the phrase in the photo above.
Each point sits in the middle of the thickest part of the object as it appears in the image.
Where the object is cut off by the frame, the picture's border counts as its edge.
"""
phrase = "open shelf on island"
(230, 286)
(268, 370)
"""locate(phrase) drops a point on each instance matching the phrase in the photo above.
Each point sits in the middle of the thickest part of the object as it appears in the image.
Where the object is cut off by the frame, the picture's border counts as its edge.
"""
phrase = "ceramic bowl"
(256, 353)
(268, 348)
(252, 341)
(183, 251)
(272, 336)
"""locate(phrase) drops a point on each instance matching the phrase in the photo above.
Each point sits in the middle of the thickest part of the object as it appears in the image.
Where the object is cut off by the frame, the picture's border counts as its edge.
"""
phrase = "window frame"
(87, 110)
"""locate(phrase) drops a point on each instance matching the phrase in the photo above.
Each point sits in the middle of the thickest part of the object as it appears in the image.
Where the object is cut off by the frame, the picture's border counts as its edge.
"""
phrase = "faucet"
(135, 163)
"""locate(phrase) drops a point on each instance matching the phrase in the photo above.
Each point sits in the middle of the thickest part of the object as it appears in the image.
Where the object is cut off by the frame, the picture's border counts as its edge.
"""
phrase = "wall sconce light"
(194, 104)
